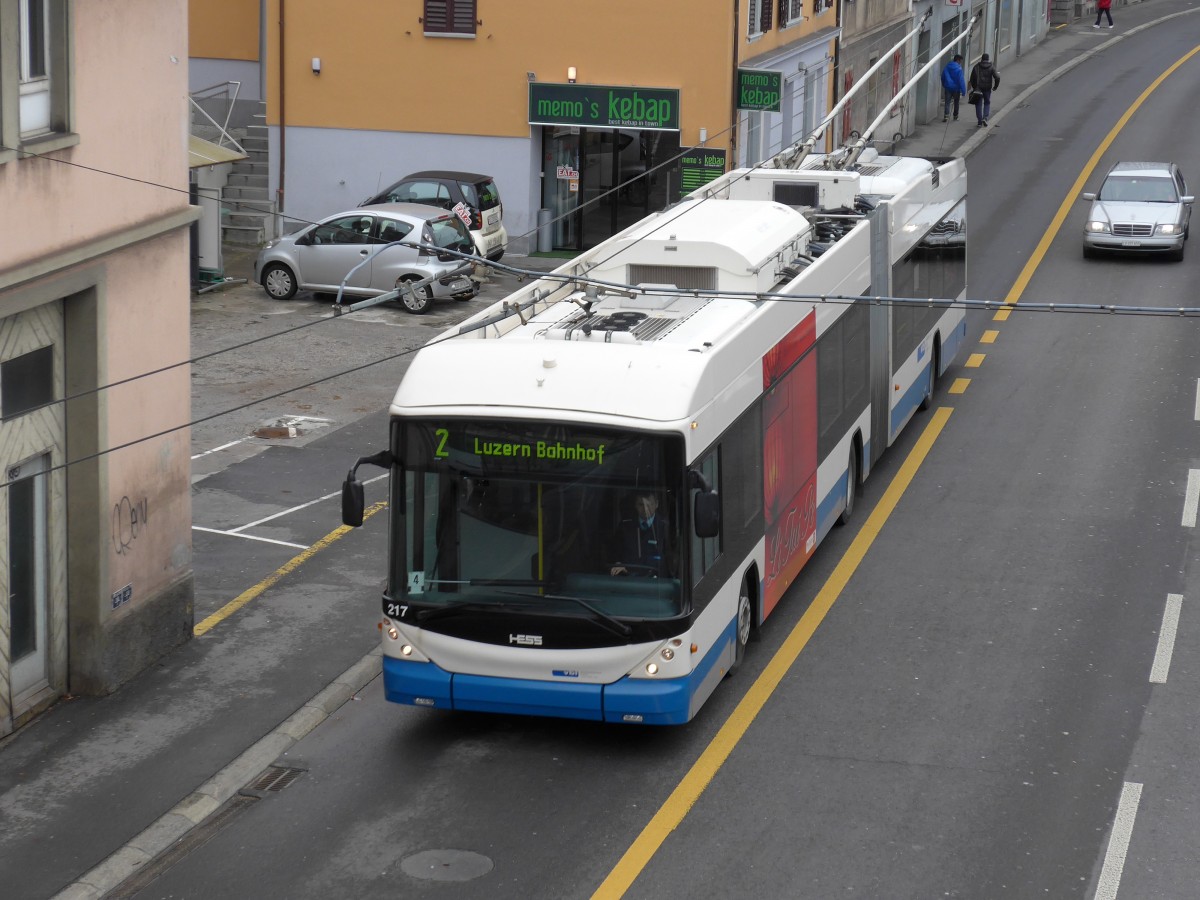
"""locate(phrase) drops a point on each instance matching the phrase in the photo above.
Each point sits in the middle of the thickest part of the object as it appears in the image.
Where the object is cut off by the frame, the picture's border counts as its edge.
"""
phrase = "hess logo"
(525, 640)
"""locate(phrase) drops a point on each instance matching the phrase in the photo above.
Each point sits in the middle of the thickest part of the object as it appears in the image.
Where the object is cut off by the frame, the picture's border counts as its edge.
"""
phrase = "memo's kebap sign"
(759, 89)
(604, 106)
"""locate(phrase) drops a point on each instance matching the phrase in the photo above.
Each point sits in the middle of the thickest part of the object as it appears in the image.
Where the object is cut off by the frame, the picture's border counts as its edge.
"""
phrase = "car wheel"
(1177, 255)
(742, 626)
(417, 301)
(851, 488)
(279, 281)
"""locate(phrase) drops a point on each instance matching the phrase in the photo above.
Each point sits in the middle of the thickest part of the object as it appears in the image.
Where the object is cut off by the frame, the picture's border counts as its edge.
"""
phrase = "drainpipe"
(279, 193)
(733, 123)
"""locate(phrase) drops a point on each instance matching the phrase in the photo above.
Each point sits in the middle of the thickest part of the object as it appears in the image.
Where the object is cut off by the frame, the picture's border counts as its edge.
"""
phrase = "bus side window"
(705, 551)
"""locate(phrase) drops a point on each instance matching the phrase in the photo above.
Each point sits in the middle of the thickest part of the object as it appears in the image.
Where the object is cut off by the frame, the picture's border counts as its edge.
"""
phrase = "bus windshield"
(519, 514)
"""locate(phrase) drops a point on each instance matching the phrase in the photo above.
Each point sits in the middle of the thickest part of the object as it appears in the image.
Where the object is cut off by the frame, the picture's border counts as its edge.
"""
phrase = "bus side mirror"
(706, 514)
(353, 502)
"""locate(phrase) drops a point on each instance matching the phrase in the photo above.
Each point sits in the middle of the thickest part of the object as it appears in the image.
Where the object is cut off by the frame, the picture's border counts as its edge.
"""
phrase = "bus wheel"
(742, 636)
(927, 397)
(851, 487)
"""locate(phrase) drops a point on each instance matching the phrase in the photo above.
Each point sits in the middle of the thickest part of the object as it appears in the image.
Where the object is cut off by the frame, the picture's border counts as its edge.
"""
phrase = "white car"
(358, 252)
(1141, 207)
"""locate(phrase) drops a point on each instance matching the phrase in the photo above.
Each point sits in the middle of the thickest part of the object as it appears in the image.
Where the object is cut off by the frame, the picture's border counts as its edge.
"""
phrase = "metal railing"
(226, 95)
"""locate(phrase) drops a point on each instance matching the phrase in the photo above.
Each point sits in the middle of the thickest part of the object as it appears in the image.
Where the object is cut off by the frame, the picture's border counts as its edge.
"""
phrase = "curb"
(197, 806)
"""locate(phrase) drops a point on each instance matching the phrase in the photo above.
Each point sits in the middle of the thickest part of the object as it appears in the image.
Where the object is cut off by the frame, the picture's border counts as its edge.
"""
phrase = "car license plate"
(1131, 243)
(493, 218)
(459, 285)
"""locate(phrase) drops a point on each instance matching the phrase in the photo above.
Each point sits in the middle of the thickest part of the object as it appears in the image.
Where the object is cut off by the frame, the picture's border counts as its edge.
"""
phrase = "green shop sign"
(759, 89)
(604, 106)
(698, 166)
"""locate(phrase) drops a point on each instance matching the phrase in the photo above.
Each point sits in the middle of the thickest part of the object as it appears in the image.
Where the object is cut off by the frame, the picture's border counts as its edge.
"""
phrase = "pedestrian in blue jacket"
(955, 85)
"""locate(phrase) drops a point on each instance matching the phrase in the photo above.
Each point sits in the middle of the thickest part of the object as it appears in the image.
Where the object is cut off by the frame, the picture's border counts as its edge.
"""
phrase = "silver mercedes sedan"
(1141, 207)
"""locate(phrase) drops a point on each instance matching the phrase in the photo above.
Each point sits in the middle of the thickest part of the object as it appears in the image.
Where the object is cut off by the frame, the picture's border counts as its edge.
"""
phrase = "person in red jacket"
(1103, 7)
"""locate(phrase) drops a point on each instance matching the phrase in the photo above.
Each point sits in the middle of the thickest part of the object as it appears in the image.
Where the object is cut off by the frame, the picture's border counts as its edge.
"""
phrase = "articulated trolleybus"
(602, 484)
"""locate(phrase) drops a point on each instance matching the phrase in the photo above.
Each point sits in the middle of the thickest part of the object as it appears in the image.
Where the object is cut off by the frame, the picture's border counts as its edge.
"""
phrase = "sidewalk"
(1063, 48)
(95, 789)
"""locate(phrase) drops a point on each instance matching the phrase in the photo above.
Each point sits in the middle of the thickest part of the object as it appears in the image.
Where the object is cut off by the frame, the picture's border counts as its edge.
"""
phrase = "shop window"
(26, 382)
(450, 17)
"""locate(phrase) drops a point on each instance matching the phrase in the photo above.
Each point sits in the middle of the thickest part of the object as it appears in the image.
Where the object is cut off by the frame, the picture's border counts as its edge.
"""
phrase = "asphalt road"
(965, 720)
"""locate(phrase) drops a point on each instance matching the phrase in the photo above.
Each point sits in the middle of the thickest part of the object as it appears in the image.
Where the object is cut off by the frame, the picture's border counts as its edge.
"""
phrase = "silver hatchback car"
(1141, 207)
(322, 256)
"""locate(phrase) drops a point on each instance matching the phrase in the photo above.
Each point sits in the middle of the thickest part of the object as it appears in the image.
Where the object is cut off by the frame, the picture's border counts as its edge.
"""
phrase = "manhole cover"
(446, 865)
(278, 430)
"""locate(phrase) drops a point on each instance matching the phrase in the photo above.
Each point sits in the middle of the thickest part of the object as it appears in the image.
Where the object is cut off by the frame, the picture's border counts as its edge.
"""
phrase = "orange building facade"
(562, 106)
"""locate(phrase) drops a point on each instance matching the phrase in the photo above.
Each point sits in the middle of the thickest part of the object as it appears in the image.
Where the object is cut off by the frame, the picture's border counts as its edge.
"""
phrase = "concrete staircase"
(248, 211)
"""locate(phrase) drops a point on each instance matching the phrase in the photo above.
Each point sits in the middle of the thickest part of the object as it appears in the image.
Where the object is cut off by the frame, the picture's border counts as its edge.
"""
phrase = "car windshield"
(1138, 189)
(481, 194)
(451, 233)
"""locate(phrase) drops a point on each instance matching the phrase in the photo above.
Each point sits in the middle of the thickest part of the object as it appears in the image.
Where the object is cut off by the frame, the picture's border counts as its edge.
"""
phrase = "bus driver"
(641, 543)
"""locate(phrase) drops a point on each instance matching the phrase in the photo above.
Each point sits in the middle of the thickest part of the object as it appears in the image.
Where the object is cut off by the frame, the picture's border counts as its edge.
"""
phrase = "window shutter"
(767, 9)
(449, 16)
(783, 13)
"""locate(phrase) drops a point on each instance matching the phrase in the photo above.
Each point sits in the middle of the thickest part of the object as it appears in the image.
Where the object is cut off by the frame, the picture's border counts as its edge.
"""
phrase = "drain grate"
(273, 780)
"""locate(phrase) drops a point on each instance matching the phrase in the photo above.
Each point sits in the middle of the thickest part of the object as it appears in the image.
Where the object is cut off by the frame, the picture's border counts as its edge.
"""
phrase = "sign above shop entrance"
(759, 89)
(604, 106)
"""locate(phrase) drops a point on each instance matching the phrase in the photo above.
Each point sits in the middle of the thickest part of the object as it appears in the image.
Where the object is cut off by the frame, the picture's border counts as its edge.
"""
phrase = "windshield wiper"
(600, 617)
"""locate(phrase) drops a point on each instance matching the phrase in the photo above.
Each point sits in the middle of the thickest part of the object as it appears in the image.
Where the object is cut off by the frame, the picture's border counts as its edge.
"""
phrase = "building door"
(27, 593)
(560, 184)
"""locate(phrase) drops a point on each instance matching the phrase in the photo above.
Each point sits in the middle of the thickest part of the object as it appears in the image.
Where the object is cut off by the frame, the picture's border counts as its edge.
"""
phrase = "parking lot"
(269, 371)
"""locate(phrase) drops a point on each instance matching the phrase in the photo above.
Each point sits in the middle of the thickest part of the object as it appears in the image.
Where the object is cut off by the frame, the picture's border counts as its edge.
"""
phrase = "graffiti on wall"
(128, 521)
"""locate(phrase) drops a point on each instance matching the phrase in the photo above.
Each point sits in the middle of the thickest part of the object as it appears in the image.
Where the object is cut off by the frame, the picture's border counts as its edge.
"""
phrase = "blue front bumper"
(638, 701)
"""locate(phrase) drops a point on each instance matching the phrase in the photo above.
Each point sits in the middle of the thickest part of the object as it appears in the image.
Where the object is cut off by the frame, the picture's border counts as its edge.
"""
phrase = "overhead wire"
(521, 274)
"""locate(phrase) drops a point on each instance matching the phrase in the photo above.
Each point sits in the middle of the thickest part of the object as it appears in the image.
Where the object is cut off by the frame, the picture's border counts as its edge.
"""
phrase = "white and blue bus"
(727, 364)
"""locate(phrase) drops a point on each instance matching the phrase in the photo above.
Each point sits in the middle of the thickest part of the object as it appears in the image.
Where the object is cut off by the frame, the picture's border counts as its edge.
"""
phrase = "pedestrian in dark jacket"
(984, 79)
(955, 85)
(1103, 7)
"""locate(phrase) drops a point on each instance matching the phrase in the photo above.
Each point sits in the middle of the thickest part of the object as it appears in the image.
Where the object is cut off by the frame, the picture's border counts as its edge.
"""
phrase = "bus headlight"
(651, 668)
(392, 631)
(668, 654)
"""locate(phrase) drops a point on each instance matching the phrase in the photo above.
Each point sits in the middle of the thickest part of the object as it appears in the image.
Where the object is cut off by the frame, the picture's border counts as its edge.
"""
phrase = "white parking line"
(1118, 842)
(241, 528)
(218, 449)
(1166, 639)
(1197, 410)
(249, 537)
(237, 532)
(1191, 499)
